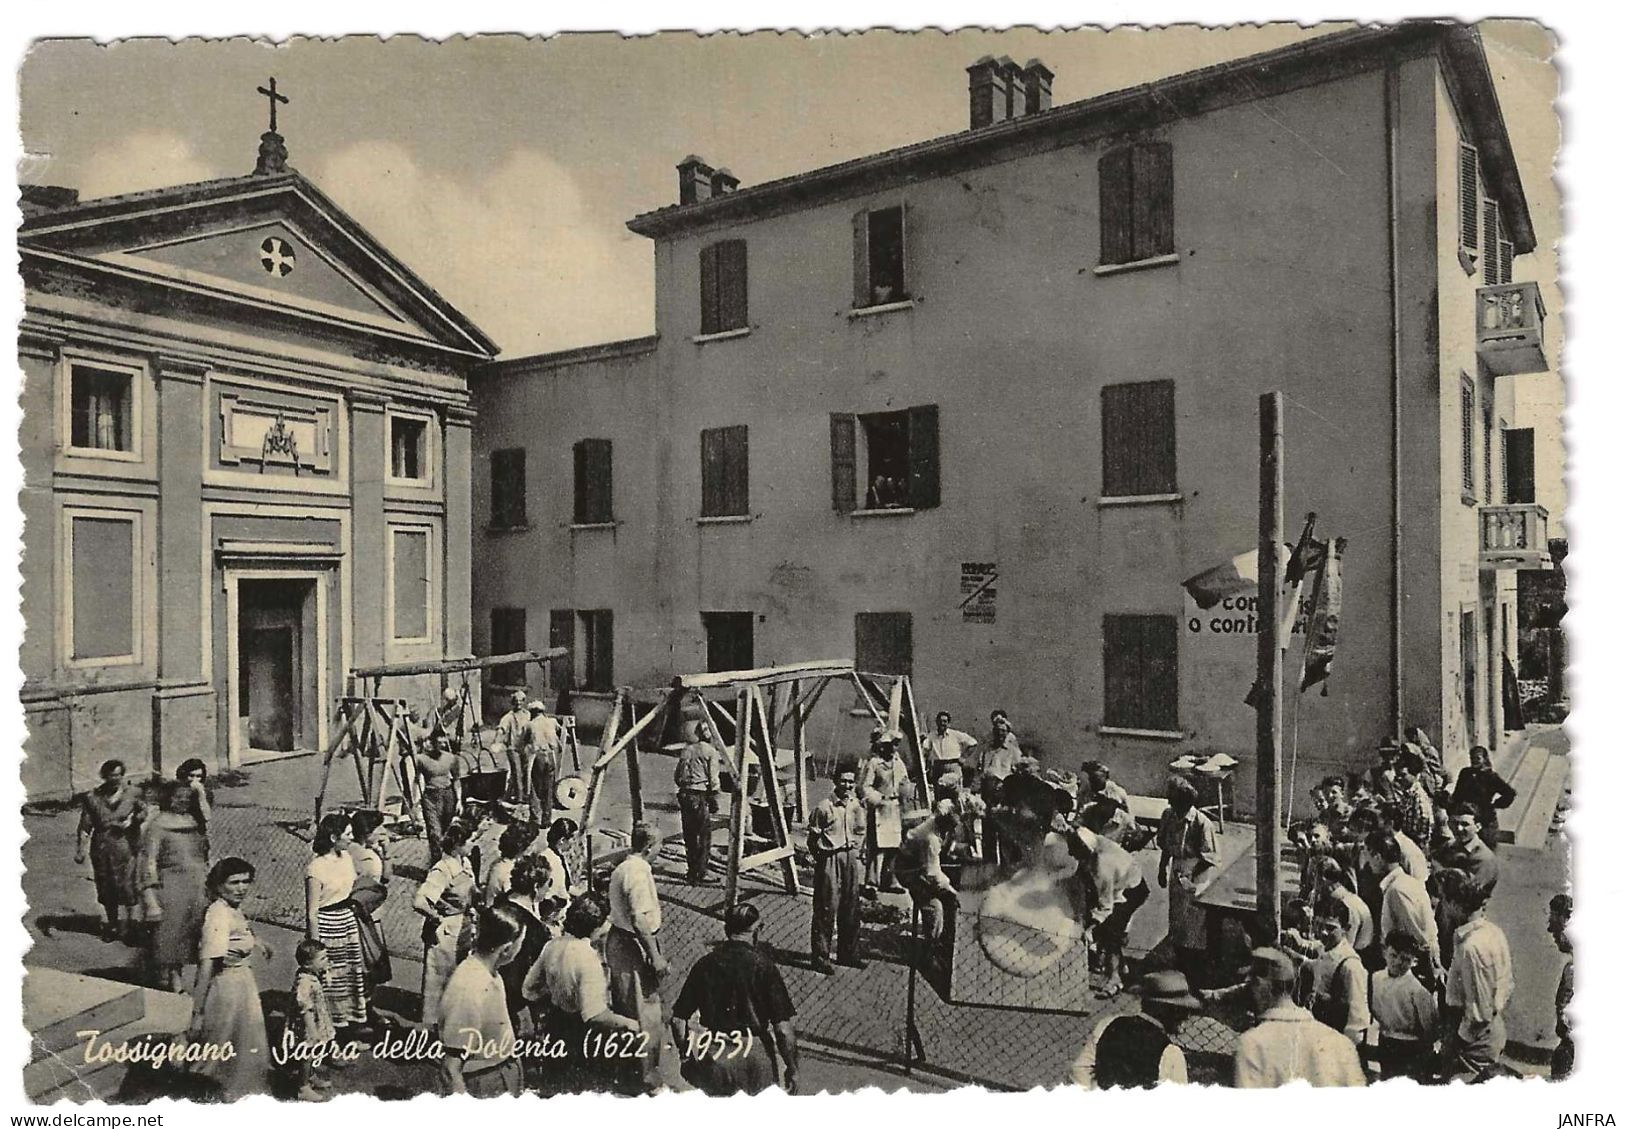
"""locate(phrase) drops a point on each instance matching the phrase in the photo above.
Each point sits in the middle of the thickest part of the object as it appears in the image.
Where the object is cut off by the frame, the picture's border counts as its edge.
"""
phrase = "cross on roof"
(274, 98)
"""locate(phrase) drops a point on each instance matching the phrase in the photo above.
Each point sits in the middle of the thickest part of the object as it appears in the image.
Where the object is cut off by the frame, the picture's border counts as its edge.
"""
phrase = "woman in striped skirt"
(330, 918)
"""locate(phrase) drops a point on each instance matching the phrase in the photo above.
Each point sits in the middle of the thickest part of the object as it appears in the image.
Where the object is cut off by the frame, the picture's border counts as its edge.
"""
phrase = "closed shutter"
(910, 282)
(1469, 197)
(710, 301)
(1518, 465)
(1489, 452)
(843, 461)
(594, 500)
(1153, 199)
(1503, 257)
(1141, 666)
(724, 471)
(924, 470)
(883, 642)
(860, 260)
(1137, 440)
(508, 638)
(598, 629)
(732, 286)
(1492, 243)
(1116, 173)
(561, 632)
(508, 488)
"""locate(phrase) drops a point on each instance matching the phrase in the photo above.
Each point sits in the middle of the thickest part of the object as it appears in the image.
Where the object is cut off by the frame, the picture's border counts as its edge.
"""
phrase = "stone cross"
(274, 98)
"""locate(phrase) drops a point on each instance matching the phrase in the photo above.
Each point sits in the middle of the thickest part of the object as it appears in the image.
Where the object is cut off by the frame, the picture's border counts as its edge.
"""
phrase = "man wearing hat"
(1288, 1043)
(834, 837)
(1138, 1051)
(699, 782)
(541, 757)
(882, 790)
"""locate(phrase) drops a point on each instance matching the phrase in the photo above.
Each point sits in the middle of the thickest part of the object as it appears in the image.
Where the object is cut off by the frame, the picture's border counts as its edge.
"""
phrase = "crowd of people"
(1388, 962)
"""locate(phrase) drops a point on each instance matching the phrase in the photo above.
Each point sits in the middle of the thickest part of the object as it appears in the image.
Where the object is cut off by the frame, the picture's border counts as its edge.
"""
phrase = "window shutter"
(732, 287)
(561, 632)
(860, 262)
(1120, 655)
(1467, 438)
(1158, 433)
(1503, 256)
(736, 469)
(1469, 197)
(1116, 173)
(908, 218)
(843, 461)
(1492, 242)
(924, 469)
(508, 488)
(1159, 661)
(1489, 451)
(594, 492)
(1137, 439)
(710, 304)
(1117, 441)
(604, 649)
(1153, 178)
(712, 456)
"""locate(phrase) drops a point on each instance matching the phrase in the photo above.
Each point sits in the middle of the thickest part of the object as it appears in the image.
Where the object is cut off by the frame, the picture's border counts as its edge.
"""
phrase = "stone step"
(58, 1005)
(1536, 823)
(1524, 780)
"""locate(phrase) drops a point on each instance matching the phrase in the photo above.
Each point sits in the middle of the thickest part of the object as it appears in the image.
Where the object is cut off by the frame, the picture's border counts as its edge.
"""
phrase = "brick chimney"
(1039, 80)
(723, 181)
(989, 92)
(37, 199)
(694, 180)
(1015, 87)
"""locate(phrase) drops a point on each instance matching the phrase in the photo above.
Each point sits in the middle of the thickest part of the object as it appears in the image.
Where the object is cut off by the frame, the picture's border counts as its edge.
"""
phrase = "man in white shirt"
(1288, 1043)
(946, 745)
(541, 755)
(1405, 902)
(511, 740)
(632, 951)
(1003, 750)
(1479, 985)
(1341, 997)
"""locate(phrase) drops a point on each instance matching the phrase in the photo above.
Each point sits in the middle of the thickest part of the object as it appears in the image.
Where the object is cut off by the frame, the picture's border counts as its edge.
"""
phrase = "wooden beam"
(456, 666)
(763, 675)
(798, 736)
(771, 855)
(736, 821)
(714, 735)
(770, 789)
(868, 699)
(623, 740)
(916, 735)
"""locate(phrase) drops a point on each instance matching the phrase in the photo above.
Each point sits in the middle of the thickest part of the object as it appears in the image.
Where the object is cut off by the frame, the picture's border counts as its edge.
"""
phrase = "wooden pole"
(1268, 844)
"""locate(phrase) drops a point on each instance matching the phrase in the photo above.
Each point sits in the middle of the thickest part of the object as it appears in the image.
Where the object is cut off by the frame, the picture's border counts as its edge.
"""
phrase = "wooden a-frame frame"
(765, 701)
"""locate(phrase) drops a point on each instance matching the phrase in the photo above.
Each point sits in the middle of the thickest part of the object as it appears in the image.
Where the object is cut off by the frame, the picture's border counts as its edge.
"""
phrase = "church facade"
(246, 455)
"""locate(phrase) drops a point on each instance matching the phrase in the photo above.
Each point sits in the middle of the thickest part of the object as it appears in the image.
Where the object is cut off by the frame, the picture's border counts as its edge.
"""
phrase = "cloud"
(139, 161)
(520, 251)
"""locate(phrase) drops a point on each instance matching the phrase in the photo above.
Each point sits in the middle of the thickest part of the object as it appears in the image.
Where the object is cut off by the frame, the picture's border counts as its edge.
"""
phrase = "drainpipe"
(1397, 611)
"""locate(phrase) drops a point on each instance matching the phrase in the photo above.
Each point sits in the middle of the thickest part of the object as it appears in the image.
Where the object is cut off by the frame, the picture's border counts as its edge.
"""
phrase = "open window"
(101, 409)
(594, 482)
(408, 449)
(730, 640)
(879, 257)
(885, 460)
(508, 488)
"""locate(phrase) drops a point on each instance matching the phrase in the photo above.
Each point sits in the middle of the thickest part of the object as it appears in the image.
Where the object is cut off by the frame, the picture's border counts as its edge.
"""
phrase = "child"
(1406, 1013)
(312, 1023)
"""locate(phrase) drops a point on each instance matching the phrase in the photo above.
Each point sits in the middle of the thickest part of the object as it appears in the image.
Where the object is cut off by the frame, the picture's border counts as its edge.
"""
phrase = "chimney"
(723, 182)
(1015, 87)
(37, 199)
(989, 93)
(1039, 80)
(693, 180)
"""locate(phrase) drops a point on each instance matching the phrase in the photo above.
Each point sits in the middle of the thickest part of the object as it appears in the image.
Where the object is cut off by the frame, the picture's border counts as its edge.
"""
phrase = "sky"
(503, 169)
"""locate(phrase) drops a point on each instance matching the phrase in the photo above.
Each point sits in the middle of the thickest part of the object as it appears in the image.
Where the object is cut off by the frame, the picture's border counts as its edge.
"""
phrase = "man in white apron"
(1190, 848)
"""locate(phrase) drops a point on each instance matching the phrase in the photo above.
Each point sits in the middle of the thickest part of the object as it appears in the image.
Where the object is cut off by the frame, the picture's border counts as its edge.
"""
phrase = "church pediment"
(269, 240)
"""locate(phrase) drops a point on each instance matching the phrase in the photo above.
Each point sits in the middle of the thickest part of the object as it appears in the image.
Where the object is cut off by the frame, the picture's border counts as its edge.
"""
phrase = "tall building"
(246, 449)
(975, 407)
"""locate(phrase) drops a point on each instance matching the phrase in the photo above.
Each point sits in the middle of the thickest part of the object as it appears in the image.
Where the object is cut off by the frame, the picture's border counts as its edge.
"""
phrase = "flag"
(1326, 609)
(1232, 578)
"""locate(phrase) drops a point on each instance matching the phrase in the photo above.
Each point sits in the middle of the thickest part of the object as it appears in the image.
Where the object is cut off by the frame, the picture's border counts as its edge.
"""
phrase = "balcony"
(1512, 537)
(1511, 320)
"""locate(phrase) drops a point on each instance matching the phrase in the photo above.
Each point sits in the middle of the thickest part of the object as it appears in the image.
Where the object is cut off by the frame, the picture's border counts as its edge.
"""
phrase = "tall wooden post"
(1268, 844)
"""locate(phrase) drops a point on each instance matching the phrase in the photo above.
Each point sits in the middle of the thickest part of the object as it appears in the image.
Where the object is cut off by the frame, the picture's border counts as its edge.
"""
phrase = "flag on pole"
(1326, 609)
(1232, 578)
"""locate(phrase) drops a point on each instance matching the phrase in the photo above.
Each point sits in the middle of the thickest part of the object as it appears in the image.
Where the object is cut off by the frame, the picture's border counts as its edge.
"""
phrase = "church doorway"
(277, 703)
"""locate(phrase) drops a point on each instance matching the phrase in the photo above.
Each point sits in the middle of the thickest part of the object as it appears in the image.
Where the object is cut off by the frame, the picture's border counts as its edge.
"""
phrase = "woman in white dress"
(226, 1010)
